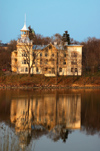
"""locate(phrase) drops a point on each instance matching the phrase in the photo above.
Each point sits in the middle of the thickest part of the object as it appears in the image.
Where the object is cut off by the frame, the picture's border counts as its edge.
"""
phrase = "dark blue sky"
(80, 17)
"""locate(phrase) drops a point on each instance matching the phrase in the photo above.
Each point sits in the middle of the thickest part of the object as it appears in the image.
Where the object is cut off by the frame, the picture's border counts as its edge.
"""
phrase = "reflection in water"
(28, 119)
(47, 113)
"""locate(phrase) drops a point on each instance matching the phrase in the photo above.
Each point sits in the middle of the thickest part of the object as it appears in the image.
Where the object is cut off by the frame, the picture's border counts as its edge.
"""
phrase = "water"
(49, 120)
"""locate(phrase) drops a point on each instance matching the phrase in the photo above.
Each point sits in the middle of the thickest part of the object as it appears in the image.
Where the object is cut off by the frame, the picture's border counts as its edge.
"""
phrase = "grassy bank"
(87, 80)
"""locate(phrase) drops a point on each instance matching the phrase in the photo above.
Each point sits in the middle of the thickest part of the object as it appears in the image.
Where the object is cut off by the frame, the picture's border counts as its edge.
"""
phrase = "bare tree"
(28, 56)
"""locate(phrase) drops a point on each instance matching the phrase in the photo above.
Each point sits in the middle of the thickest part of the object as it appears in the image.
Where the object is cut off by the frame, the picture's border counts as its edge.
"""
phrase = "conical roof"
(24, 27)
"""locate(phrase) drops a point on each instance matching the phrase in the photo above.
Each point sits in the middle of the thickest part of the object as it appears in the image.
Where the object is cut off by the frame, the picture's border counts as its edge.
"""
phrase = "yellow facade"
(49, 60)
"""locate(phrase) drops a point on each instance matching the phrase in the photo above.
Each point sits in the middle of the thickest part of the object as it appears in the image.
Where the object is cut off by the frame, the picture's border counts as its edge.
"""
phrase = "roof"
(36, 47)
(73, 45)
(24, 27)
(41, 47)
(59, 47)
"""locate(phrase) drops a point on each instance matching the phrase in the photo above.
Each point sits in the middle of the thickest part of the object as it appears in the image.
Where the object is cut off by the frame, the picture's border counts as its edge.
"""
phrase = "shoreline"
(50, 87)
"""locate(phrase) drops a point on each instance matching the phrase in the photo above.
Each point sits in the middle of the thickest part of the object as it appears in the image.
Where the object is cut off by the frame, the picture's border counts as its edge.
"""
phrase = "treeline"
(91, 55)
(5, 55)
(90, 51)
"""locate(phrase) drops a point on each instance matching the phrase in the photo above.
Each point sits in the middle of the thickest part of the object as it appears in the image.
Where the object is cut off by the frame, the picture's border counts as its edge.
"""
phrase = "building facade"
(49, 60)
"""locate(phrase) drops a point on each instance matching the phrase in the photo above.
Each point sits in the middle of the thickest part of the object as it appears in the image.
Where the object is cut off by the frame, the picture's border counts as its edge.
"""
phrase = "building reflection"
(57, 114)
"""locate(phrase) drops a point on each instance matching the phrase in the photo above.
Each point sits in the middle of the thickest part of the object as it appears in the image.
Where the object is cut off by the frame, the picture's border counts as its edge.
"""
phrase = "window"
(72, 69)
(24, 62)
(50, 47)
(65, 55)
(53, 55)
(60, 69)
(53, 61)
(46, 50)
(46, 54)
(46, 69)
(40, 54)
(40, 61)
(26, 69)
(15, 60)
(46, 62)
(64, 62)
(74, 54)
(24, 53)
(75, 69)
(37, 69)
(33, 54)
(53, 70)
(74, 62)
(22, 69)
(49, 71)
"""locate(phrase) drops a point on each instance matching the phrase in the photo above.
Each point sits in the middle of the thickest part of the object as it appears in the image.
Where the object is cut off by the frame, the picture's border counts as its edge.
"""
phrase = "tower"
(24, 51)
(24, 30)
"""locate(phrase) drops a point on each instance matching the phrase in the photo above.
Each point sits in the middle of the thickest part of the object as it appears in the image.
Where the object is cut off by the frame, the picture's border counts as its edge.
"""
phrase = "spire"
(24, 27)
(25, 19)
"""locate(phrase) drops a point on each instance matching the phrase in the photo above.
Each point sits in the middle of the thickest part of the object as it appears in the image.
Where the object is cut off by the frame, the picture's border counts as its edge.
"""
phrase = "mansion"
(49, 60)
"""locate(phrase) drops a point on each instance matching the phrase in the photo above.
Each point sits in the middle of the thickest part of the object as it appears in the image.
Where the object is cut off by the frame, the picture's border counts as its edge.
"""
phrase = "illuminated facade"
(49, 60)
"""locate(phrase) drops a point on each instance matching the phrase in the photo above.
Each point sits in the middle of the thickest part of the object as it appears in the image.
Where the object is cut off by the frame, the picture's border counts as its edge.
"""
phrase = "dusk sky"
(80, 17)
